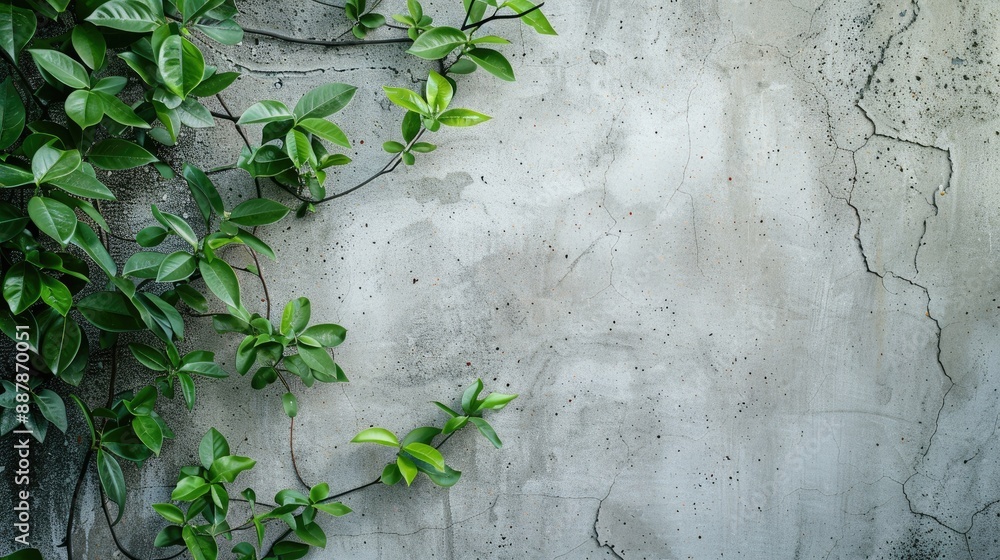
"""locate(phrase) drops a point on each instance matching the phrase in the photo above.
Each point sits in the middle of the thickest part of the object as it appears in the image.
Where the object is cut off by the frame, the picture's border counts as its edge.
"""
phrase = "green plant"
(92, 86)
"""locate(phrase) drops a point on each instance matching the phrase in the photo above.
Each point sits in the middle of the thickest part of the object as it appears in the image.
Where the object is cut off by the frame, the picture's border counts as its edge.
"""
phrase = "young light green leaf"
(323, 101)
(190, 488)
(462, 117)
(298, 148)
(325, 130)
(407, 469)
(61, 67)
(496, 401)
(335, 509)
(408, 100)
(225, 469)
(295, 316)
(487, 431)
(470, 395)
(380, 436)
(439, 92)
(427, 454)
(438, 43)
(170, 512)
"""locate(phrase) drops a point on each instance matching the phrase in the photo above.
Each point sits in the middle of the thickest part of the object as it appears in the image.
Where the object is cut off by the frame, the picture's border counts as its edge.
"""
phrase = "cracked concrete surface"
(736, 257)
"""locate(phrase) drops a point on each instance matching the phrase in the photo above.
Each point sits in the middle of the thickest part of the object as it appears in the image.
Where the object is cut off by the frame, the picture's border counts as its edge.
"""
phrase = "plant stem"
(324, 43)
(495, 17)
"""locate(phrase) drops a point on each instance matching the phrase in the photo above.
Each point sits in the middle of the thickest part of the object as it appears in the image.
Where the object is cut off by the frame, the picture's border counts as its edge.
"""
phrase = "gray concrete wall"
(736, 257)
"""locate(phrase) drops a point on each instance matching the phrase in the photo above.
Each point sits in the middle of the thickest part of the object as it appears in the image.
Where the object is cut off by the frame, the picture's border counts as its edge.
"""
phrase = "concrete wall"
(735, 256)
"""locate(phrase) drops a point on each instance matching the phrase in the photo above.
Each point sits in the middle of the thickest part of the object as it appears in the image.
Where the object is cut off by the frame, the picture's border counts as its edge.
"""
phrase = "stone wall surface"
(735, 256)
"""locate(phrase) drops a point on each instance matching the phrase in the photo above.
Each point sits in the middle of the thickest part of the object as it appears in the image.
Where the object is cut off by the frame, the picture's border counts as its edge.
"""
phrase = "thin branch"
(224, 116)
(242, 133)
(495, 17)
(68, 541)
(325, 43)
(118, 544)
(291, 450)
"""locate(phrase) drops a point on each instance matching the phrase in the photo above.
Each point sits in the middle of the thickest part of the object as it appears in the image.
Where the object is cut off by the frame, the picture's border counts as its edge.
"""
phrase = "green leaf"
(220, 278)
(265, 112)
(439, 92)
(119, 112)
(380, 436)
(327, 334)
(496, 401)
(12, 112)
(290, 404)
(311, 534)
(258, 212)
(470, 395)
(89, 44)
(208, 369)
(215, 84)
(407, 469)
(535, 19)
(88, 417)
(437, 43)
(52, 408)
(86, 239)
(143, 264)
(17, 27)
(53, 218)
(227, 31)
(115, 153)
(134, 16)
(408, 99)
(148, 432)
(150, 236)
(60, 344)
(449, 411)
(487, 431)
(176, 224)
(335, 509)
(21, 287)
(192, 297)
(203, 190)
(176, 267)
(427, 454)
(325, 130)
(372, 21)
(462, 66)
(298, 148)
(212, 446)
(454, 424)
(201, 547)
(61, 67)
(493, 62)
(189, 489)
(111, 85)
(48, 163)
(12, 221)
(112, 481)
(187, 389)
(462, 117)
(423, 147)
(84, 108)
(410, 126)
(110, 311)
(181, 65)
(323, 101)
(168, 536)
(295, 316)
(319, 492)
(56, 295)
(194, 114)
(390, 474)
(148, 356)
(492, 39)
(82, 184)
(393, 147)
(291, 497)
(317, 359)
(143, 402)
(170, 512)
(226, 468)
(11, 176)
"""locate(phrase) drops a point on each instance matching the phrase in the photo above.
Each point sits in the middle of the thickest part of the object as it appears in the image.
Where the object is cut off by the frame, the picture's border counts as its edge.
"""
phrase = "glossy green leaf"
(470, 395)
(82, 184)
(119, 112)
(170, 512)
(56, 295)
(190, 488)
(89, 44)
(335, 509)
(220, 278)
(265, 112)
(437, 43)
(327, 334)
(177, 225)
(454, 424)
(323, 101)
(462, 117)
(112, 481)
(53, 218)
(61, 67)
(487, 431)
(150, 236)
(496, 401)
(148, 356)
(427, 454)
(192, 297)
(311, 534)
(12, 112)
(84, 108)
(110, 311)
(148, 432)
(208, 369)
(143, 264)
(380, 436)
(52, 408)
(408, 99)
(21, 287)
(325, 130)
(49, 163)
(60, 343)
(258, 212)
(225, 469)
(407, 469)
(134, 16)
(298, 148)
(439, 92)
(181, 65)
(17, 27)
(11, 176)
(227, 31)
(115, 153)
(187, 389)
(290, 404)
(391, 474)
(536, 19)
(176, 266)
(86, 239)
(295, 316)
(493, 62)
(212, 446)
(215, 84)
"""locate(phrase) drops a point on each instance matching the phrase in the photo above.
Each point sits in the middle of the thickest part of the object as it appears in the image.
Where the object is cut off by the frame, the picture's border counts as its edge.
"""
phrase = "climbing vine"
(91, 87)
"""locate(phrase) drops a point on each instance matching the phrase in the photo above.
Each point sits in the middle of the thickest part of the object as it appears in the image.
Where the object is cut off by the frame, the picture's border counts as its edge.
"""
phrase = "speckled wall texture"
(736, 256)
